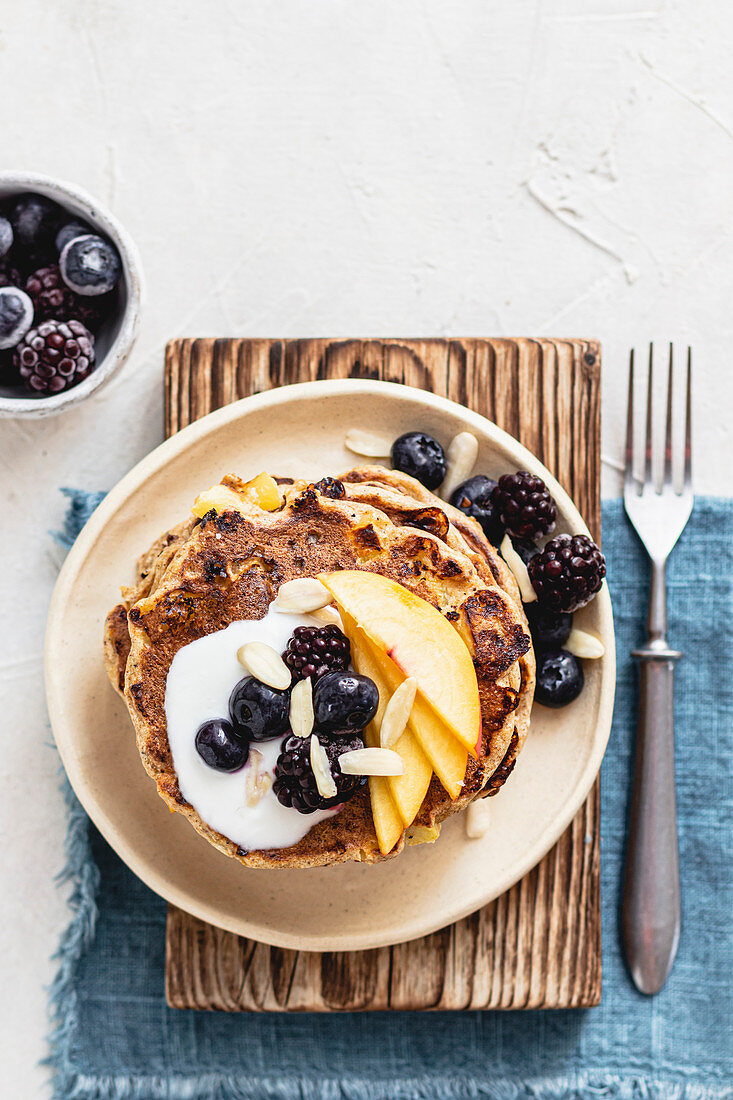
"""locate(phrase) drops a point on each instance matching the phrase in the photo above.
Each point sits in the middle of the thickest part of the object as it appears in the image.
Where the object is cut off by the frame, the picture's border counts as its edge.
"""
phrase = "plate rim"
(134, 480)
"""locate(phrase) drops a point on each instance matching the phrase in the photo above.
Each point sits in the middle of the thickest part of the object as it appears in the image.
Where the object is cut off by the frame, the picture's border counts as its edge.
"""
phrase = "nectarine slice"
(420, 641)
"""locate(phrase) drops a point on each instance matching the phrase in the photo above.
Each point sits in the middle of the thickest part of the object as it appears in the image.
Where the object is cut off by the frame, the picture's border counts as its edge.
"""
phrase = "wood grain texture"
(538, 945)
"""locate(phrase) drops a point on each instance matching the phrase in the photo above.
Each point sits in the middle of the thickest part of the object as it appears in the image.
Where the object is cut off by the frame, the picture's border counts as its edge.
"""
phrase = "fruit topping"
(559, 679)
(474, 498)
(314, 651)
(525, 550)
(524, 506)
(295, 783)
(6, 236)
(10, 276)
(461, 458)
(16, 316)
(53, 301)
(371, 762)
(331, 487)
(34, 219)
(70, 232)
(259, 712)
(302, 718)
(218, 746)
(90, 265)
(55, 356)
(519, 569)
(419, 641)
(567, 574)
(549, 629)
(420, 456)
(301, 595)
(265, 664)
(344, 701)
(261, 491)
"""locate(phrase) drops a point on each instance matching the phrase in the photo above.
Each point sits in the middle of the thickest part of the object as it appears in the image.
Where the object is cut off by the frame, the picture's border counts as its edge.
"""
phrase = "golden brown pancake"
(202, 576)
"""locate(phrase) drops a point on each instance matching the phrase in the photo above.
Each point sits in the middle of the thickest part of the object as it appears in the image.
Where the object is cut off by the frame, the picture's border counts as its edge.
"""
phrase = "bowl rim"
(152, 875)
(95, 212)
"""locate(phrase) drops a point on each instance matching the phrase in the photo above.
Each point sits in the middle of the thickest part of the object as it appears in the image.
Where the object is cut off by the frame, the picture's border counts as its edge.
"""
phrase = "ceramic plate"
(298, 431)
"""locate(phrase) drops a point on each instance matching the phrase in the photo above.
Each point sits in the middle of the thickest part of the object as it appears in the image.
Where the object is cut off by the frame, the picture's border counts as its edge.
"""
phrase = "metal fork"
(651, 903)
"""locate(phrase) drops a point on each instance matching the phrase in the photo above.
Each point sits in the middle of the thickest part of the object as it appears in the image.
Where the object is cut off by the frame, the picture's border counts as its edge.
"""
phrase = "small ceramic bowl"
(118, 333)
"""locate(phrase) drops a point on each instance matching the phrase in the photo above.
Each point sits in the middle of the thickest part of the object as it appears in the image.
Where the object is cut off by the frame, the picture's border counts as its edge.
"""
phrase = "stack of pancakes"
(209, 572)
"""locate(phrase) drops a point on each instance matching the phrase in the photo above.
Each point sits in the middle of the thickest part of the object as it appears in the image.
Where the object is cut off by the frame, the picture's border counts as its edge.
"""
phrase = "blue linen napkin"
(114, 1036)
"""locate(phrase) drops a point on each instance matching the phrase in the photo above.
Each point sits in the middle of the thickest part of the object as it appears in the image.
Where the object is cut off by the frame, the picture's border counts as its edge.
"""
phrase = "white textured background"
(347, 167)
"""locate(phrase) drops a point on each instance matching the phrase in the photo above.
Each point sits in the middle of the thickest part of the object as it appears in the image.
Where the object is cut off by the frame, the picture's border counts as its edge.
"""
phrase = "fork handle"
(651, 908)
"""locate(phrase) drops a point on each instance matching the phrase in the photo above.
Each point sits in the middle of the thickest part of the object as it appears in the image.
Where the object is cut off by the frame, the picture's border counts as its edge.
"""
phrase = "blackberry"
(331, 487)
(53, 301)
(567, 574)
(295, 784)
(55, 356)
(524, 506)
(315, 650)
(10, 276)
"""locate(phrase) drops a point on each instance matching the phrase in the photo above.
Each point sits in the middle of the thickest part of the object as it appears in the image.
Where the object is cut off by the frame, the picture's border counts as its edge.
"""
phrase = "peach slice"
(447, 756)
(261, 490)
(420, 641)
(408, 791)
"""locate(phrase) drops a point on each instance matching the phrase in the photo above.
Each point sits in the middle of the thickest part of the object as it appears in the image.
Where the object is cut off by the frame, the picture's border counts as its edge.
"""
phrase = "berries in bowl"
(70, 294)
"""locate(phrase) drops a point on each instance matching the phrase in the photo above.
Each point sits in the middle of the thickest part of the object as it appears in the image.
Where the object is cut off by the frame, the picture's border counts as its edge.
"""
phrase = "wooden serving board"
(539, 945)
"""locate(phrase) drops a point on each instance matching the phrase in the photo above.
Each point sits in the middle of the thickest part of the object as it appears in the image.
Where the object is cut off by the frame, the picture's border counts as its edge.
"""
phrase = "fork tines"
(630, 480)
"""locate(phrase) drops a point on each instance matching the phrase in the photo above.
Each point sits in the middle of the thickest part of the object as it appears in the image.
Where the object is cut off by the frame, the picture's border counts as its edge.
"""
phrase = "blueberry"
(421, 457)
(559, 679)
(259, 712)
(70, 232)
(16, 316)
(219, 747)
(344, 701)
(6, 236)
(34, 219)
(90, 265)
(549, 629)
(474, 498)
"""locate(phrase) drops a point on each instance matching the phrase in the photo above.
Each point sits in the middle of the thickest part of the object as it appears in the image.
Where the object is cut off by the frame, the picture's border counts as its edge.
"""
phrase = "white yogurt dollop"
(200, 681)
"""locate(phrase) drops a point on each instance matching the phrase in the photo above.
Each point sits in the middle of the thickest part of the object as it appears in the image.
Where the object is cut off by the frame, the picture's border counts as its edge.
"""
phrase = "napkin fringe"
(586, 1086)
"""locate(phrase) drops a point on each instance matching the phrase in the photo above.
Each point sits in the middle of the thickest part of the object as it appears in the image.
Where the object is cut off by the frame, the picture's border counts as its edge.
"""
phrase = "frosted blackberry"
(567, 574)
(53, 301)
(524, 506)
(295, 783)
(9, 275)
(313, 651)
(55, 356)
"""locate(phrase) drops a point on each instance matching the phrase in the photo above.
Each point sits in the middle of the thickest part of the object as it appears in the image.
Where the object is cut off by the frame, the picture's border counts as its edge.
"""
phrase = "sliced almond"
(257, 782)
(303, 594)
(519, 569)
(301, 708)
(397, 713)
(478, 818)
(583, 644)
(368, 444)
(327, 615)
(372, 762)
(462, 455)
(322, 770)
(265, 664)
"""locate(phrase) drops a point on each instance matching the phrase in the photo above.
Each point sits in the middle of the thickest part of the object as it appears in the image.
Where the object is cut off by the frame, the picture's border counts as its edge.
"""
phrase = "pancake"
(201, 576)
